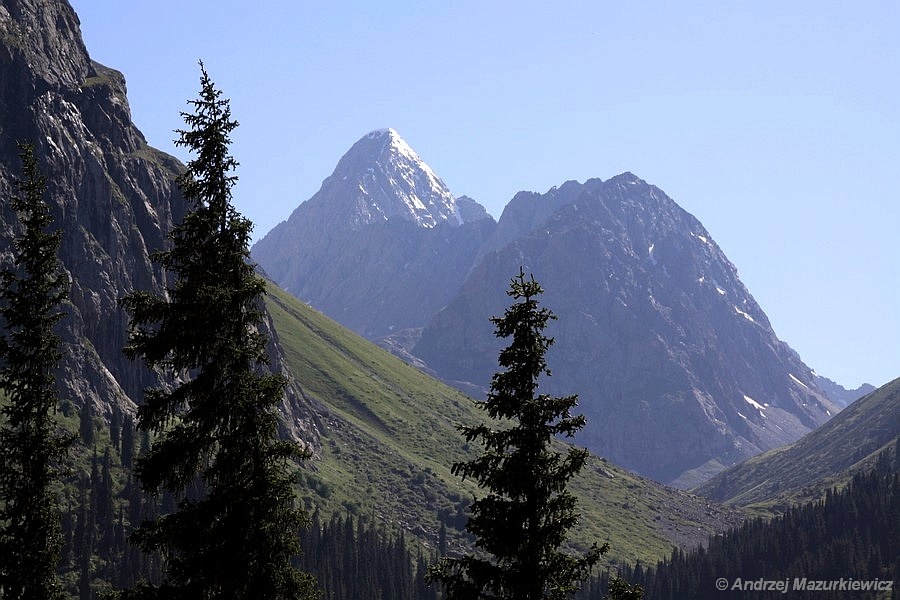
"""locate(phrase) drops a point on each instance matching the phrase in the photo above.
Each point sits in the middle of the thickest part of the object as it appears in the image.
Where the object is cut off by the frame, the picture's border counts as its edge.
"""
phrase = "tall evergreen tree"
(522, 522)
(31, 449)
(86, 426)
(127, 454)
(215, 421)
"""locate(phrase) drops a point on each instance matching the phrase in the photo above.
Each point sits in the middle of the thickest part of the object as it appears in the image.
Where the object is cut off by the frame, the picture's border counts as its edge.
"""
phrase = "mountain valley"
(381, 287)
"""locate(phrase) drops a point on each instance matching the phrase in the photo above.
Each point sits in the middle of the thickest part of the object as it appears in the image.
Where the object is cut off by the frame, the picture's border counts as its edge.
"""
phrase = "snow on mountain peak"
(392, 181)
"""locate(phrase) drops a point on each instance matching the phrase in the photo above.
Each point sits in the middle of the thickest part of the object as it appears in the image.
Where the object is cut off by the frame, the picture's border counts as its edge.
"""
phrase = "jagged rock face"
(470, 210)
(382, 245)
(379, 179)
(386, 276)
(841, 395)
(113, 196)
(528, 210)
(676, 365)
(42, 36)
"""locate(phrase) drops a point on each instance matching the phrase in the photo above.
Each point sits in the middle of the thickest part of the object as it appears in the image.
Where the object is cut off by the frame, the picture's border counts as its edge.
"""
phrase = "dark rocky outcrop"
(113, 196)
(470, 210)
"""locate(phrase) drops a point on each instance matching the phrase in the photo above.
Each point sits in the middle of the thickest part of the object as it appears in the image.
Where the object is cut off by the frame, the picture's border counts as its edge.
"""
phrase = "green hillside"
(388, 439)
(826, 457)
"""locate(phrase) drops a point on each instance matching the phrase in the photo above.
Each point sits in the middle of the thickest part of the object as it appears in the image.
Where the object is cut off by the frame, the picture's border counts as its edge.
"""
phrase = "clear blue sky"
(776, 123)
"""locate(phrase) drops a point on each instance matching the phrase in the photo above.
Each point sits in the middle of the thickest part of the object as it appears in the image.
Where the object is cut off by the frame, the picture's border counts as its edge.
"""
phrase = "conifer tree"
(522, 522)
(127, 454)
(86, 424)
(215, 421)
(31, 449)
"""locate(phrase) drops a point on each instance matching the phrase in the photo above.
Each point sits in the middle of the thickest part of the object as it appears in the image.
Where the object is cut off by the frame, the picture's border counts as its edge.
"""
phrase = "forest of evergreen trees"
(352, 557)
(852, 533)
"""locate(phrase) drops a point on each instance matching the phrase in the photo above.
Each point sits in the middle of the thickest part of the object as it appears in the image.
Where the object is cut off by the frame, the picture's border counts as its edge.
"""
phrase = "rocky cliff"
(112, 195)
(678, 368)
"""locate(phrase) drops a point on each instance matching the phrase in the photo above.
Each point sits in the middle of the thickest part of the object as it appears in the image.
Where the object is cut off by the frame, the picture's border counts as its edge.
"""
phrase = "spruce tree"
(86, 427)
(215, 419)
(127, 454)
(522, 522)
(31, 448)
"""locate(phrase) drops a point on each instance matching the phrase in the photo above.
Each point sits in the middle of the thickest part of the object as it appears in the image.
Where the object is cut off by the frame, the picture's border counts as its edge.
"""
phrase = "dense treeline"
(104, 504)
(352, 558)
(852, 534)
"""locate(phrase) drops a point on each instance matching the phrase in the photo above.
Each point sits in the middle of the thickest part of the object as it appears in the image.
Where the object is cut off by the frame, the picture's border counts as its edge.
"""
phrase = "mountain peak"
(381, 177)
(382, 133)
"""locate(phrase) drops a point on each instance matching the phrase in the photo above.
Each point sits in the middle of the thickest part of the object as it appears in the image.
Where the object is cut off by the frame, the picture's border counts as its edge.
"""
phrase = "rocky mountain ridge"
(677, 366)
(679, 370)
(841, 395)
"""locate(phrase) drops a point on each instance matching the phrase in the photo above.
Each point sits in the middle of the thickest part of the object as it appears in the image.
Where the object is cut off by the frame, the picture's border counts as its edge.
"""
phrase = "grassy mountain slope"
(826, 457)
(389, 439)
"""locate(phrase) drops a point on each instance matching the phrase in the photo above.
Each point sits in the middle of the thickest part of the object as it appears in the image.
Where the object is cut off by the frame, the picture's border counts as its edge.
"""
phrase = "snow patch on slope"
(791, 375)
(754, 403)
(424, 198)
